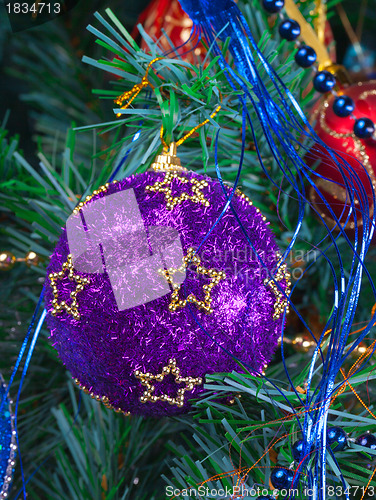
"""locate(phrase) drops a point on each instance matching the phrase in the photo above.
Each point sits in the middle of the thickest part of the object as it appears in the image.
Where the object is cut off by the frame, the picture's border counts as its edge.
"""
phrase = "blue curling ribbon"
(23, 375)
(4, 401)
(5, 391)
(7, 441)
(282, 120)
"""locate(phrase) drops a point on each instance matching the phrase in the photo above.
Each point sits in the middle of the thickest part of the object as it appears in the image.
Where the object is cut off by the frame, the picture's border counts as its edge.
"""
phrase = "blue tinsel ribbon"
(7, 440)
(282, 120)
(5, 417)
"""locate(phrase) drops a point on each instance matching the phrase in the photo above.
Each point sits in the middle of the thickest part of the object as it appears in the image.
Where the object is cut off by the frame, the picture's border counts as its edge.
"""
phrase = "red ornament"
(338, 134)
(167, 15)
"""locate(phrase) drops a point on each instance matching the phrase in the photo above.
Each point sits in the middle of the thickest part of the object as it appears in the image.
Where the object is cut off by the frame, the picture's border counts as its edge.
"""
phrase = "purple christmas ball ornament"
(148, 290)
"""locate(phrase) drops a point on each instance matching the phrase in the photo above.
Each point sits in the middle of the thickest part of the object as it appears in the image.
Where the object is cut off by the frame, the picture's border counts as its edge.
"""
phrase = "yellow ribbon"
(309, 35)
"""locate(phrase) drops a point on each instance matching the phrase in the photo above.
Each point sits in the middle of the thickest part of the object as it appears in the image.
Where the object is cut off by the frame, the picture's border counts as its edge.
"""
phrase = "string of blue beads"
(282, 478)
(338, 437)
(323, 81)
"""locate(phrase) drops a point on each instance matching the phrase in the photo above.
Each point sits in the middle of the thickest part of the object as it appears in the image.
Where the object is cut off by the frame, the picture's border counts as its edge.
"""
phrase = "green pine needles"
(84, 451)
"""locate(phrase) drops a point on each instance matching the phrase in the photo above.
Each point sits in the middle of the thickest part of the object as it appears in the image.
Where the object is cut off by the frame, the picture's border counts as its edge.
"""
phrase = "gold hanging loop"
(168, 160)
(130, 95)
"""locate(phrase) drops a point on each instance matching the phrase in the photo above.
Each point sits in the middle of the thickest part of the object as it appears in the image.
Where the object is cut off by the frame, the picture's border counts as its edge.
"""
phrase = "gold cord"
(191, 132)
(131, 95)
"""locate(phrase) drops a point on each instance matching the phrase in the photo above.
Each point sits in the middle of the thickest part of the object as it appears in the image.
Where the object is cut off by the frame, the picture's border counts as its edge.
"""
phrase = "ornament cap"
(168, 161)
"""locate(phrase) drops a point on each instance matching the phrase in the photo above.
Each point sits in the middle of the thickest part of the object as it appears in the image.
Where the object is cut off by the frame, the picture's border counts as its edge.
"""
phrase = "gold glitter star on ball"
(281, 302)
(165, 187)
(71, 308)
(194, 260)
(147, 378)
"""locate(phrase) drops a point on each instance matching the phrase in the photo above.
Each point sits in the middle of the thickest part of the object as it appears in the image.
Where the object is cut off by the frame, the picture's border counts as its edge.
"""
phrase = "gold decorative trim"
(71, 309)
(244, 197)
(101, 189)
(100, 399)
(173, 369)
(165, 187)
(282, 273)
(359, 149)
(215, 278)
(367, 93)
(281, 304)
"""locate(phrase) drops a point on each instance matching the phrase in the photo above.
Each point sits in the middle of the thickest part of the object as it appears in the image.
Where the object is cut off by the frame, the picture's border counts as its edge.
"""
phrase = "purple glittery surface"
(106, 346)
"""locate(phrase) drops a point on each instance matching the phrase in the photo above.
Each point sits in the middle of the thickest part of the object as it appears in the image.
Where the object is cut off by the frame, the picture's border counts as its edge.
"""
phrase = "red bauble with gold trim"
(338, 134)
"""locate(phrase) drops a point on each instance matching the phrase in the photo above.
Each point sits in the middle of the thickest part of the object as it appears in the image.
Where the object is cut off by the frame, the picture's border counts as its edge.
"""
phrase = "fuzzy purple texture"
(105, 346)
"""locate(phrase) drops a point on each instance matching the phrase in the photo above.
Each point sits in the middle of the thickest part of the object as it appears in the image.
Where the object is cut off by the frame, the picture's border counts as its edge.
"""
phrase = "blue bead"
(305, 56)
(343, 106)
(364, 128)
(281, 478)
(273, 6)
(367, 440)
(324, 81)
(289, 30)
(297, 450)
(337, 435)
